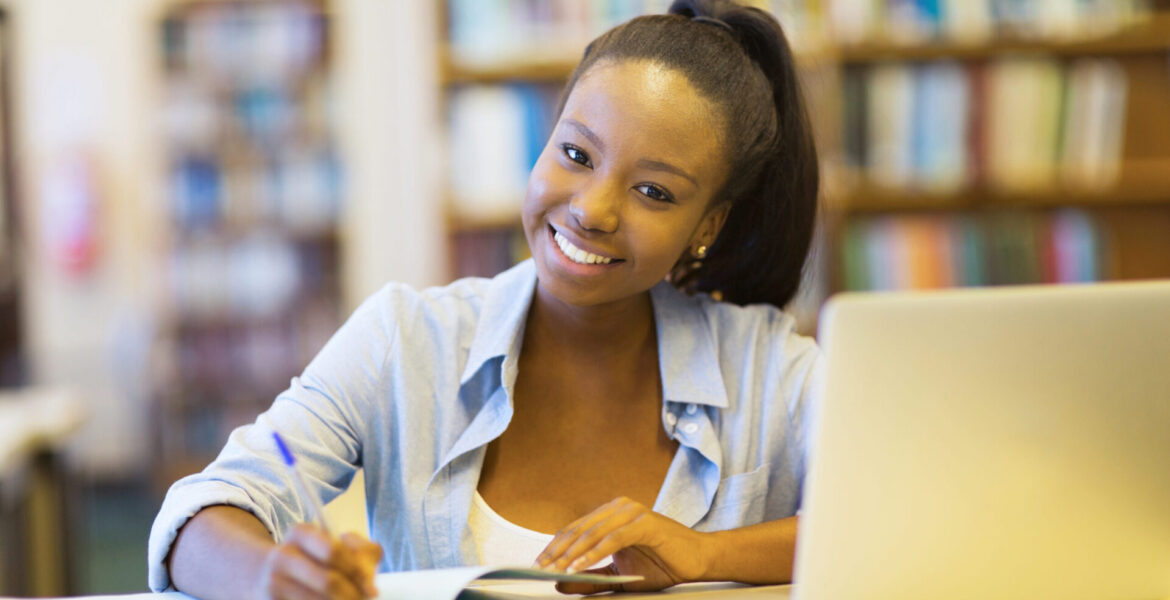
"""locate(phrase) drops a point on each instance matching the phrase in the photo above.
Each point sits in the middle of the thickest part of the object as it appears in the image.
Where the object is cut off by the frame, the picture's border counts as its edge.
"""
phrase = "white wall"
(84, 82)
(80, 92)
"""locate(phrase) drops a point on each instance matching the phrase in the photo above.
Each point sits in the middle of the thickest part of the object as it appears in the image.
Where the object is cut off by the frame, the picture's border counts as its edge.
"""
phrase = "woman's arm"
(225, 552)
(757, 554)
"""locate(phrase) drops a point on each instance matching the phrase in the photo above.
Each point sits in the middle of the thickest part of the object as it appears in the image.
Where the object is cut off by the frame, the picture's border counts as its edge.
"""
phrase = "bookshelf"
(1094, 193)
(1032, 146)
(253, 197)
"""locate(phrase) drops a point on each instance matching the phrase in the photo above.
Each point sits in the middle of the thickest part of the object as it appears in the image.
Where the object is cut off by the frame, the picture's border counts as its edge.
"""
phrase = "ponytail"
(760, 253)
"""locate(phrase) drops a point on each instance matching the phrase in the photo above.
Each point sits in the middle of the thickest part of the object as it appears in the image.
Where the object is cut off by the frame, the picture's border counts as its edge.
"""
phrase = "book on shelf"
(496, 133)
(889, 158)
(1023, 123)
(976, 21)
(487, 252)
(233, 43)
(934, 251)
(1094, 124)
(1016, 125)
(486, 34)
(939, 133)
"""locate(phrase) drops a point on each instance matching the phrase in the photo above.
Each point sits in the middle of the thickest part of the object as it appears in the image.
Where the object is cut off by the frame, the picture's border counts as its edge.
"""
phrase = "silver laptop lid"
(992, 443)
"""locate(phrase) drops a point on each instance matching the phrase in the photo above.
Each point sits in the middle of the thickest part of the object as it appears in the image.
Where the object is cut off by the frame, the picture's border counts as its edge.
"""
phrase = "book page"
(446, 584)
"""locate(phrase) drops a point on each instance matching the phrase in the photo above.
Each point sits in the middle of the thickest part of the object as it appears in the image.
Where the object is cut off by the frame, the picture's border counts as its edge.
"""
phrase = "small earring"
(699, 253)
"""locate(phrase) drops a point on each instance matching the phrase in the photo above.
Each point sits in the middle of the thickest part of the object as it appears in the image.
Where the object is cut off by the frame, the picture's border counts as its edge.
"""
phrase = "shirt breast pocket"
(739, 500)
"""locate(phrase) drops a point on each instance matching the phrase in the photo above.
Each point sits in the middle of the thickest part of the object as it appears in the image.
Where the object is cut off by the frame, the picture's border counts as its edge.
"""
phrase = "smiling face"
(625, 184)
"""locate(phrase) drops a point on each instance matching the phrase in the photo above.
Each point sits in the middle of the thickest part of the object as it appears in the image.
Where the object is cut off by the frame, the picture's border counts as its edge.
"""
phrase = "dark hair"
(738, 58)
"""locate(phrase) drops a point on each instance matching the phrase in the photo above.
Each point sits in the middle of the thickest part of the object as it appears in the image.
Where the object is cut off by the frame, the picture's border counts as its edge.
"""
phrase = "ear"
(711, 224)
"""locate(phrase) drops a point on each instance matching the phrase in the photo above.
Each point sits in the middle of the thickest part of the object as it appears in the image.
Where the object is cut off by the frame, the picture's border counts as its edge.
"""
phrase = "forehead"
(646, 108)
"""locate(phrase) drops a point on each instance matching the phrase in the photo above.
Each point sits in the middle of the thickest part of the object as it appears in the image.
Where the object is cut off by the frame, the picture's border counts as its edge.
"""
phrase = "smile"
(578, 255)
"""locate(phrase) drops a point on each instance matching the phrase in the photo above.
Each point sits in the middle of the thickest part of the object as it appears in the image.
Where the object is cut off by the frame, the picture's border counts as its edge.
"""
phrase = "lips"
(579, 255)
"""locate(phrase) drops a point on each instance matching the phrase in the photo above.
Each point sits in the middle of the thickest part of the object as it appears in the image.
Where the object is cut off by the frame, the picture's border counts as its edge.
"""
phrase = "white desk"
(545, 591)
(34, 419)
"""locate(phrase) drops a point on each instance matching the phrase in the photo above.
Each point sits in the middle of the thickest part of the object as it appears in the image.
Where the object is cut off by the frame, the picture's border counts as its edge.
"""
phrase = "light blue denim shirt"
(416, 384)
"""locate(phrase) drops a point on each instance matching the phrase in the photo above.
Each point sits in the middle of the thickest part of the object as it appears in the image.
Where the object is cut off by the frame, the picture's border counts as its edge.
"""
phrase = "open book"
(507, 583)
(466, 583)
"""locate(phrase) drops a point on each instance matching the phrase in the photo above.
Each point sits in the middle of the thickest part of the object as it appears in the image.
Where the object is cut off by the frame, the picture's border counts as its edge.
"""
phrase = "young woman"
(634, 388)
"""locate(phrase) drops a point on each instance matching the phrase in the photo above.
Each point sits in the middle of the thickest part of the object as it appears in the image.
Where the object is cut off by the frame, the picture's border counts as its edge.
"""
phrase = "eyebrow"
(587, 132)
(657, 165)
(645, 163)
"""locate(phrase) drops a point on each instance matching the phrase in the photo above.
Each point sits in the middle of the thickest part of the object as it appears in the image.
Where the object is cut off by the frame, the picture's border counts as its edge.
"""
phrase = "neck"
(609, 332)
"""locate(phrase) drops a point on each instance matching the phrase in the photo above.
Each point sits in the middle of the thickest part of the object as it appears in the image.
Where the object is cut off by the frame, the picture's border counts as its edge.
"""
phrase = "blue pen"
(315, 511)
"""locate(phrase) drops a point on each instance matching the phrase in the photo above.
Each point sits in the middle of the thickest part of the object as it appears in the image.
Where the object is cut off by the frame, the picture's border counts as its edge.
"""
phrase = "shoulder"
(756, 326)
(452, 316)
(397, 306)
(760, 348)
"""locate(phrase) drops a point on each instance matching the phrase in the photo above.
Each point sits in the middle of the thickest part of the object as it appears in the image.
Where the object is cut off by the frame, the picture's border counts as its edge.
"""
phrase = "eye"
(654, 192)
(576, 155)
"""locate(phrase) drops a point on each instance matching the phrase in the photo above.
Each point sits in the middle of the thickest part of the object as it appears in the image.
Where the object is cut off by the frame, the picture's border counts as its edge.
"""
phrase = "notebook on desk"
(995, 443)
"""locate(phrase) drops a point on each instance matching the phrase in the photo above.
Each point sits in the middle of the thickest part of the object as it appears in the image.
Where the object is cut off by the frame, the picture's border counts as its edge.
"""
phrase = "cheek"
(542, 183)
(662, 238)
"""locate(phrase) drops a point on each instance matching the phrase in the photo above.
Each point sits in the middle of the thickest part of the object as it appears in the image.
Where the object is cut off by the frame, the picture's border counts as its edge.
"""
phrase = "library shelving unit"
(1035, 150)
(253, 188)
(1056, 167)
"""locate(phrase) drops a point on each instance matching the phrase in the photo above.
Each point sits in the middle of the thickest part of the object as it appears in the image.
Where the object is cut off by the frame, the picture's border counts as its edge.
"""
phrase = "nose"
(596, 209)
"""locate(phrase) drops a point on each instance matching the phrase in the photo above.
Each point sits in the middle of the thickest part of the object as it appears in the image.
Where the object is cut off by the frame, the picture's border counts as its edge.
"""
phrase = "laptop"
(992, 443)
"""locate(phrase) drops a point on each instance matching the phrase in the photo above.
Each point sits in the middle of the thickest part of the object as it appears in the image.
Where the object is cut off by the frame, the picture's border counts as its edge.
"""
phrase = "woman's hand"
(642, 542)
(310, 564)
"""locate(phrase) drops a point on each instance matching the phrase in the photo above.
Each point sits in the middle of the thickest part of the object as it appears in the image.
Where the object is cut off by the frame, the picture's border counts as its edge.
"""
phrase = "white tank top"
(501, 542)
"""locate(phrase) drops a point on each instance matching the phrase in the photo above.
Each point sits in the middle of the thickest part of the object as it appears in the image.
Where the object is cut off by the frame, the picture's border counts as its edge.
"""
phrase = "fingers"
(313, 541)
(286, 588)
(565, 537)
(609, 524)
(336, 568)
(603, 539)
(577, 587)
(366, 555)
(298, 575)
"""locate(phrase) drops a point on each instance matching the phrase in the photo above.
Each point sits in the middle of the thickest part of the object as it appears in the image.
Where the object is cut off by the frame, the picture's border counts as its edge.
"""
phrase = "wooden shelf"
(452, 72)
(1141, 183)
(1150, 37)
(872, 199)
(457, 223)
(558, 70)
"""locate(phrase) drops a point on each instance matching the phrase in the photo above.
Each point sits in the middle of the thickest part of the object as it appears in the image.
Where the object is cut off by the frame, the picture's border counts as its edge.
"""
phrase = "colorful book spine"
(1004, 248)
(973, 21)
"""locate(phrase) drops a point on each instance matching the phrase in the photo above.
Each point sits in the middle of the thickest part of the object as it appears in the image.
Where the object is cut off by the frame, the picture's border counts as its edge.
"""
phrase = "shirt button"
(692, 409)
(671, 419)
(690, 427)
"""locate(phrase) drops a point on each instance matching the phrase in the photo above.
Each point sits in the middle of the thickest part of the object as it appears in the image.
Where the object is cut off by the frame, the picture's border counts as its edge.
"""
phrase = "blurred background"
(194, 195)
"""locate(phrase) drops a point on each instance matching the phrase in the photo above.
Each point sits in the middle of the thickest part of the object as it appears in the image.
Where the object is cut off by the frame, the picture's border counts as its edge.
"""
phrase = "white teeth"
(578, 255)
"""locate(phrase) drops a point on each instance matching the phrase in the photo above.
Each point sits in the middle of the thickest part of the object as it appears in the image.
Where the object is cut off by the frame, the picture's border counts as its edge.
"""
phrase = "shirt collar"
(500, 329)
(687, 353)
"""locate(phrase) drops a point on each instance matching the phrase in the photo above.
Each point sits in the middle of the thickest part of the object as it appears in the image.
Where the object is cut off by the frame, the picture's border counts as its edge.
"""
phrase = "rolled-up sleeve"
(321, 417)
